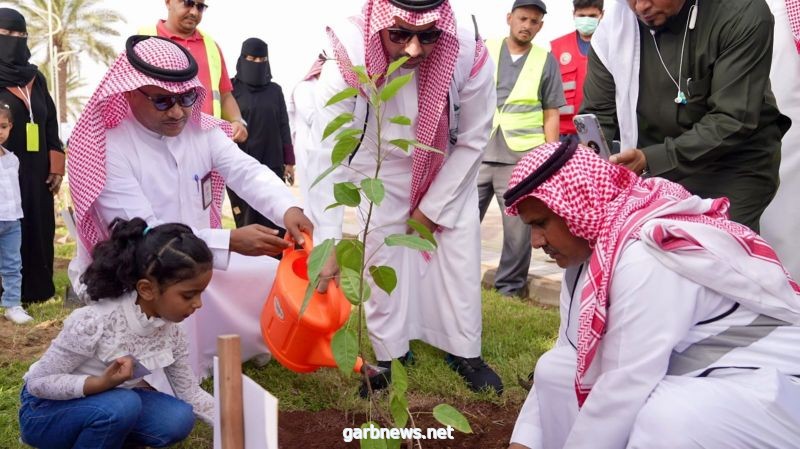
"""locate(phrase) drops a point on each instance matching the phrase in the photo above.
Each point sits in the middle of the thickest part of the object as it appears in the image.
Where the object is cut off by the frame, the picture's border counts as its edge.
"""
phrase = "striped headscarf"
(793, 11)
(434, 76)
(607, 205)
(106, 109)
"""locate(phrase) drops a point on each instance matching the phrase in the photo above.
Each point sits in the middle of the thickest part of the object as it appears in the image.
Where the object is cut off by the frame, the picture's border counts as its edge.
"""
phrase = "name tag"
(205, 190)
(32, 137)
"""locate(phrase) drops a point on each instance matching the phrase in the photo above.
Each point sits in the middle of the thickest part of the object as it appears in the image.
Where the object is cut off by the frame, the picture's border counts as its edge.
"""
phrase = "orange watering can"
(302, 343)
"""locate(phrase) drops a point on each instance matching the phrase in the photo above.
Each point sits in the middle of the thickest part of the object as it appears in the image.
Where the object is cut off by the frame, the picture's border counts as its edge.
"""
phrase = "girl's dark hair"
(5, 111)
(578, 4)
(168, 254)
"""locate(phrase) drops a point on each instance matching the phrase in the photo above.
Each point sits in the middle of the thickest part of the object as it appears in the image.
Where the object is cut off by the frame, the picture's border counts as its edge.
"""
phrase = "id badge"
(205, 189)
(32, 137)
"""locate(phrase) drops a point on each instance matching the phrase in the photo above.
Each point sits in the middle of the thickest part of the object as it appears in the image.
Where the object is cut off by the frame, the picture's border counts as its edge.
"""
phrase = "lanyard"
(26, 94)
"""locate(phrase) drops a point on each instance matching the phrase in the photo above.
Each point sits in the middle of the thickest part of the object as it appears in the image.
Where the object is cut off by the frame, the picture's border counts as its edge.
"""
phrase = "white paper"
(260, 414)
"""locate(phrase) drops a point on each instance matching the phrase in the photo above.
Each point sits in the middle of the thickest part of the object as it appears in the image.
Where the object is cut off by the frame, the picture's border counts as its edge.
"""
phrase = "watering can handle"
(308, 244)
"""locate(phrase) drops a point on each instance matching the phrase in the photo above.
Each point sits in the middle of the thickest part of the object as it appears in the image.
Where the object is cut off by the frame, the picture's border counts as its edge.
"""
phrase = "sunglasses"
(403, 36)
(192, 3)
(166, 102)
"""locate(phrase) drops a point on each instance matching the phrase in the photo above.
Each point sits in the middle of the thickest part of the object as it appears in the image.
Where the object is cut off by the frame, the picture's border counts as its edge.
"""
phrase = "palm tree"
(84, 30)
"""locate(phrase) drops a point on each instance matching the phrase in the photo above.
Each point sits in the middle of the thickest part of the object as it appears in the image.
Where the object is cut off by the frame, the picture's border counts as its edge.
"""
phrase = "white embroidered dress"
(95, 335)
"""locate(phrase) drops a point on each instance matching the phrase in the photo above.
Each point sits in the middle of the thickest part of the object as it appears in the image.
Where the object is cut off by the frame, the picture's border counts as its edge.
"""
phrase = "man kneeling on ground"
(679, 327)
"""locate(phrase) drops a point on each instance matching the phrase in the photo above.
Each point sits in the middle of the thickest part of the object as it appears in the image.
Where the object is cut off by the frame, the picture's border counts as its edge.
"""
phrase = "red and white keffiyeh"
(106, 109)
(316, 67)
(793, 11)
(434, 76)
(608, 205)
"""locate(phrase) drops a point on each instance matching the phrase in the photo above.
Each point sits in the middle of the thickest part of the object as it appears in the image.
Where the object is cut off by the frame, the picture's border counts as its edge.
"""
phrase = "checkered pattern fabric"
(607, 205)
(105, 110)
(434, 76)
(793, 10)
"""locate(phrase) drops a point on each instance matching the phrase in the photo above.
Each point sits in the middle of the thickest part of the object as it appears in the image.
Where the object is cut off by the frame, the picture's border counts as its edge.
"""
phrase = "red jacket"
(573, 67)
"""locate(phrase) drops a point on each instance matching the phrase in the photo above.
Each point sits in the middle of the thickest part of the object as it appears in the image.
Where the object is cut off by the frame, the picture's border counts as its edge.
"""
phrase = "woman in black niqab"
(34, 140)
(263, 106)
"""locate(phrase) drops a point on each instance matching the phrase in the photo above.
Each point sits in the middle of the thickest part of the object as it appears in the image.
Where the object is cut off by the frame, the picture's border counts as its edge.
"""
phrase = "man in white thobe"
(781, 220)
(678, 326)
(142, 148)
(437, 299)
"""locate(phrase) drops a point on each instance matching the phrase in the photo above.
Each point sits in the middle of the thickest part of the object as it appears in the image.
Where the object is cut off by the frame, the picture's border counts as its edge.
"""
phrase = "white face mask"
(586, 25)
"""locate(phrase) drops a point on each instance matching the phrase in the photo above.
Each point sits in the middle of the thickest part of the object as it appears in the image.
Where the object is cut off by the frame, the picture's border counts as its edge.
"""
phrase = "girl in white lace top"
(87, 390)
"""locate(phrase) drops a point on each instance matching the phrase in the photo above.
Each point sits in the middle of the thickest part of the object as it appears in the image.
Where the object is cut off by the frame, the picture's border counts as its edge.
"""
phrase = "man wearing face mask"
(264, 108)
(571, 51)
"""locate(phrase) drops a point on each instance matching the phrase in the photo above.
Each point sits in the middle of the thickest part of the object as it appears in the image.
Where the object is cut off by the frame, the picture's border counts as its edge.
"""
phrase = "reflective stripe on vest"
(214, 66)
(521, 117)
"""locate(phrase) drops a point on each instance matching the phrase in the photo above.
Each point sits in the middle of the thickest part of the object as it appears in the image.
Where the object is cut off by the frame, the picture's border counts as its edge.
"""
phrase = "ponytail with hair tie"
(171, 253)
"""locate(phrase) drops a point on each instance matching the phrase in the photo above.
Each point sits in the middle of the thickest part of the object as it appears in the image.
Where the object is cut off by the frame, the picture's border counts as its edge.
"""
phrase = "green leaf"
(423, 230)
(400, 120)
(390, 89)
(409, 241)
(403, 144)
(361, 72)
(449, 416)
(310, 289)
(399, 379)
(327, 172)
(393, 444)
(373, 190)
(345, 349)
(350, 254)
(369, 443)
(343, 148)
(336, 123)
(422, 146)
(385, 278)
(343, 95)
(396, 65)
(398, 406)
(319, 255)
(349, 281)
(333, 206)
(347, 193)
(348, 133)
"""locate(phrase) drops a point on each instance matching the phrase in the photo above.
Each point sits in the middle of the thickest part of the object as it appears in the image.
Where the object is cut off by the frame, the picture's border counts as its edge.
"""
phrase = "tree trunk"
(62, 90)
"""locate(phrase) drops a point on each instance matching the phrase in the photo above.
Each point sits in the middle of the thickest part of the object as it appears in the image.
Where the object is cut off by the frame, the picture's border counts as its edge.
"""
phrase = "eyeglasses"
(201, 7)
(404, 36)
(5, 32)
(166, 102)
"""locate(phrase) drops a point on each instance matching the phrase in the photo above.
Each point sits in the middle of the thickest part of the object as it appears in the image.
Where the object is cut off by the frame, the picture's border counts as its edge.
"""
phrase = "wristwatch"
(241, 120)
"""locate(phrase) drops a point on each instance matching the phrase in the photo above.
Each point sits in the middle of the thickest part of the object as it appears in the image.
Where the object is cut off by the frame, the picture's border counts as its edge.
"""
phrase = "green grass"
(515, 333)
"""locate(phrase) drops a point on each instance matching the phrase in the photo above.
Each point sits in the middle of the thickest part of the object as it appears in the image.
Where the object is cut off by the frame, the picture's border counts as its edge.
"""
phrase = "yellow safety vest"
(521, 117)
(214, 65)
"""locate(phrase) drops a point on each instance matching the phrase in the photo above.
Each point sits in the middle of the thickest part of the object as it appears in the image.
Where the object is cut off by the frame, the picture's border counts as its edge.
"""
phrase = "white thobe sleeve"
(527, 430)
(651, 311)
(445, 199)
(327, 224)
(304, 105)
(123, 197)
(255, 183)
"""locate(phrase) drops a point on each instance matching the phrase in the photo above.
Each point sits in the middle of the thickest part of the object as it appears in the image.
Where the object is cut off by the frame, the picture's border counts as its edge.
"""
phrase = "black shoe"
(382, 377)
(476, 373)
